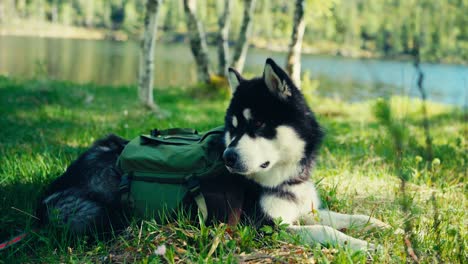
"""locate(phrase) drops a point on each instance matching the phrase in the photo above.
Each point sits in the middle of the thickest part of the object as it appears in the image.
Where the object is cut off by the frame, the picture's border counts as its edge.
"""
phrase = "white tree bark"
(223, 44)
(197, 41)
(242, 43)
(54, 12)
(7, 10)
(293, 62)
(146, 72)
(2, 12)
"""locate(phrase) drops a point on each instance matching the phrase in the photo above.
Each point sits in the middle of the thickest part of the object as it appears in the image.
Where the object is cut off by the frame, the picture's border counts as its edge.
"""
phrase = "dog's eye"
(258, 124)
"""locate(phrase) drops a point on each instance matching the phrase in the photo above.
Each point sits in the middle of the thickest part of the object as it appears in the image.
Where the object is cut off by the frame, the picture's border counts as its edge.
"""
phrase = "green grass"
(44, 125)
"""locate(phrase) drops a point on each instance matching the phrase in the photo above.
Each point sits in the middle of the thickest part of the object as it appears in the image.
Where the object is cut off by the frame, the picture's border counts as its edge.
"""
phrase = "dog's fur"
(272, 139)
(86, 197)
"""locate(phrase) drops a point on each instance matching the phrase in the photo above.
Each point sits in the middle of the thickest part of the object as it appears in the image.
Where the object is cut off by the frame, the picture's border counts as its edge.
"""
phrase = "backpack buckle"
(124, 185)
(193, 185)
(155, 132)
(124, 190)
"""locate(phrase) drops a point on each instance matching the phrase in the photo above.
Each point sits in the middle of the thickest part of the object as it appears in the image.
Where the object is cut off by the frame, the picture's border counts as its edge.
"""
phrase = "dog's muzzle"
(234, 163)
(231, 158)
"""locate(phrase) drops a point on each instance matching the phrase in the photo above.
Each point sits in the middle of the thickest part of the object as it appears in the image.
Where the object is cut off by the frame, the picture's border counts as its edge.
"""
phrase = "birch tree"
(197, 41)
(7, 10)
(316, 9)
(145, 78)
(293, 61)
(223, 44)
(242, 44)
(2, 12)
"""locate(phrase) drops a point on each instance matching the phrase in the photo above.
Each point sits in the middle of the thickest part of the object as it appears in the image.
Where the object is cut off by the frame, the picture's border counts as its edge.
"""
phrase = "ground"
(46, 124)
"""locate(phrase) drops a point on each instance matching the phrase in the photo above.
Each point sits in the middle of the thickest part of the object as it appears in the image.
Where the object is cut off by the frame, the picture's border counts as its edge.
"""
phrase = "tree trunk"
(40, 10)
(197, 41)
(223, 45)
(293, 62)
(54, 13)
(242, 44)
(7, 10)
(146, 73)
(89, 13)
(2, 12)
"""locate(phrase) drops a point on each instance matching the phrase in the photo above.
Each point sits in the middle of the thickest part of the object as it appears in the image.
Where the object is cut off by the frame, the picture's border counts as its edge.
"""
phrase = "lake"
(116, 63)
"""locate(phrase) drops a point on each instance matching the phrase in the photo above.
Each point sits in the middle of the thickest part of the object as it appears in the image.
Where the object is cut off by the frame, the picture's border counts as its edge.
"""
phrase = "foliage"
(349, 27)
(46, 125)
(395, 129)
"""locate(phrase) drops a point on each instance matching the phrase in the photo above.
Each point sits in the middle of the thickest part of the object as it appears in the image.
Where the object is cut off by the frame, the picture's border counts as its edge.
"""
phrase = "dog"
(271, 138)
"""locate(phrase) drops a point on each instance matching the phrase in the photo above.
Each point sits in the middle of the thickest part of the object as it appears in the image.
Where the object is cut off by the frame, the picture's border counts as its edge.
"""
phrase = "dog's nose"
(230, 157)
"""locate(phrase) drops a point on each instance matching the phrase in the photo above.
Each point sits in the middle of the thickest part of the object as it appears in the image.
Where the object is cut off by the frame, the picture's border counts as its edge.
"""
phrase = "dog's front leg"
(327, 235)
(343, 221)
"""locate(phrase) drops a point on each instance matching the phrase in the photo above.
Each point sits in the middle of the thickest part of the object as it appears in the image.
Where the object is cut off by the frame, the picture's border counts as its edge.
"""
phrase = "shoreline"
(50, 30)
(320, 94)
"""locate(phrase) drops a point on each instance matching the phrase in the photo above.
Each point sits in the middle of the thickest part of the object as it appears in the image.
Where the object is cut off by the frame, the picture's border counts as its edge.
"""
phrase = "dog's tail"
(87, 194)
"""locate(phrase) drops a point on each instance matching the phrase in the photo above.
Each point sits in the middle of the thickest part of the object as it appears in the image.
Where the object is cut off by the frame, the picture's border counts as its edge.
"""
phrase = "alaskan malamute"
(272, 140)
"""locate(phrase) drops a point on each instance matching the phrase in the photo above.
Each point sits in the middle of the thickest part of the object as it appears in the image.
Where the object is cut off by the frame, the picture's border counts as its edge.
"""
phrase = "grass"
(46, 124)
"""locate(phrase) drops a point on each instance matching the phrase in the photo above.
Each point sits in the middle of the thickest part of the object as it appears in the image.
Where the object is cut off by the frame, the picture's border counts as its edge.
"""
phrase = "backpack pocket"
(156, 195)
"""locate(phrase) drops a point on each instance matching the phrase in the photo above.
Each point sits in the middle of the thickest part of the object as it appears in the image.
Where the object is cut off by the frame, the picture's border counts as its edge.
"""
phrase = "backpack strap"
(193, 186)
(124, 190)
(173, 131)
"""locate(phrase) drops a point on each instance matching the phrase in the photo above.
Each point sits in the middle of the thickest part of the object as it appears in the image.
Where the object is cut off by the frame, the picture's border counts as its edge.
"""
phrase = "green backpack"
(161, 169)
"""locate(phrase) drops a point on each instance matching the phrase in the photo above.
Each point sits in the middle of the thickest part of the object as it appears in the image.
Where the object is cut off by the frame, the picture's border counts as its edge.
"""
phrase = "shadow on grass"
(446, 118)
(18, 206)
(46, 125)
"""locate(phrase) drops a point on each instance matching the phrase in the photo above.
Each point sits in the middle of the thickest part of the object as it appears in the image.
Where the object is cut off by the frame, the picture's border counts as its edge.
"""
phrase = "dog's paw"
(377, 224)
(362, 245)
(399, 231)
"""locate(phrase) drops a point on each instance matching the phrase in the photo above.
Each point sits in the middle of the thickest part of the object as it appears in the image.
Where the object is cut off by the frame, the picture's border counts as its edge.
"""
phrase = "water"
(116, 63)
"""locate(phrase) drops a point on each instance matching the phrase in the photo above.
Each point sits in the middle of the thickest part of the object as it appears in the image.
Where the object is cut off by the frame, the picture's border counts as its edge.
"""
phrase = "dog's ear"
(234, 79)
(277, 81)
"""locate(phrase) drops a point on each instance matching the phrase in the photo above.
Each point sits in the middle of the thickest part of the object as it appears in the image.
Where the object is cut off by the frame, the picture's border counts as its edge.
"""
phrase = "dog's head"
(268, 126)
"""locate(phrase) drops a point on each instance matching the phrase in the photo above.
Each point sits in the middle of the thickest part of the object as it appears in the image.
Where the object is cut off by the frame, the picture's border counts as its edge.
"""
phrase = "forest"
(356, 28)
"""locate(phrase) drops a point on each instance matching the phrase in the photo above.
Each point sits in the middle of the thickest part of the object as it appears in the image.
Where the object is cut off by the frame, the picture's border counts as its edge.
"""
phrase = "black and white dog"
(272, 140)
